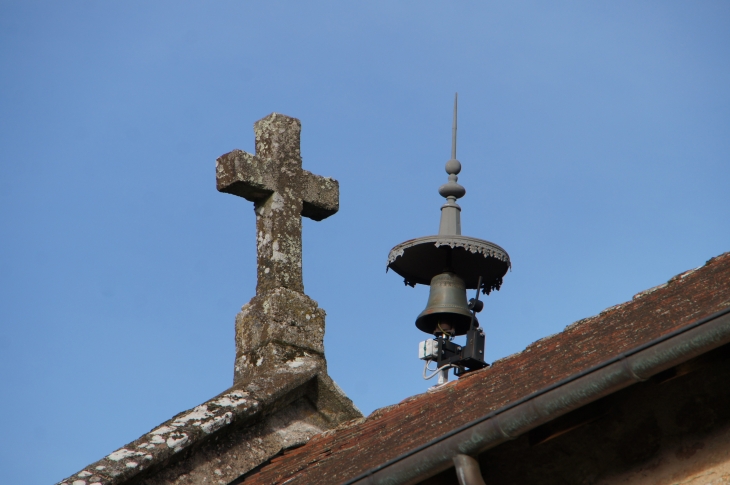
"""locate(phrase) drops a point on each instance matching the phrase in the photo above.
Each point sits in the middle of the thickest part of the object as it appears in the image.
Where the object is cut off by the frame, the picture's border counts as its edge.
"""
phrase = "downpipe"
(467, 470)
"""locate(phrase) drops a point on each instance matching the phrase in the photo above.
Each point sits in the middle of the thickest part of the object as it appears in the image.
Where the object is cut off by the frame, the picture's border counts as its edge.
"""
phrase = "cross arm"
(245, 175)
(321, 196)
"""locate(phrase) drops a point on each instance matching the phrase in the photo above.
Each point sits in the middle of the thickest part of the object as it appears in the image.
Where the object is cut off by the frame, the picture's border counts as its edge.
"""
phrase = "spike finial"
(451, 190)
(453, 167)
(453, 128)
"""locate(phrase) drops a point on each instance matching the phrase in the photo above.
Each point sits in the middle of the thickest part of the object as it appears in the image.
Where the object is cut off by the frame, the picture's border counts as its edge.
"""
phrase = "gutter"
(540, 407)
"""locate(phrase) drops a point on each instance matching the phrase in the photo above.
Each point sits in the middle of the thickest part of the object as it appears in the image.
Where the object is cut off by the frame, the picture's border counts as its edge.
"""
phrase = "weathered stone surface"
(282, 192)
(170, 438)
(280, 324)
(230, 434)
(277, 328)
(227, 457)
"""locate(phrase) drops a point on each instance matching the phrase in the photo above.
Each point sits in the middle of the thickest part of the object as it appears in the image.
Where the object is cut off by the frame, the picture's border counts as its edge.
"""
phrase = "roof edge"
(240, 405)
(511, 421)
(237, 404)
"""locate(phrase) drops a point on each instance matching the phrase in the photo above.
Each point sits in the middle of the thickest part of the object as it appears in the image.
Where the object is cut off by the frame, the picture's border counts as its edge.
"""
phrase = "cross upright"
(282, 192)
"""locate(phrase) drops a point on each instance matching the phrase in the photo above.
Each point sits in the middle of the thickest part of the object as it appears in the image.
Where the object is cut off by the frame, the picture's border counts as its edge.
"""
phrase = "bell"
(447, 310)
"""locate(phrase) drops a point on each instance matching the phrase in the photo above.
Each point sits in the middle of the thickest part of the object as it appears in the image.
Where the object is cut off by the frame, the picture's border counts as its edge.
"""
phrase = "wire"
(436, 372)
(447, 335)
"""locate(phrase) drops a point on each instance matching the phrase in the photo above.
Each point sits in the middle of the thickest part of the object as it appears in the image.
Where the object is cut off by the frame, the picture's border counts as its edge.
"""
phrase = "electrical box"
(428, 349)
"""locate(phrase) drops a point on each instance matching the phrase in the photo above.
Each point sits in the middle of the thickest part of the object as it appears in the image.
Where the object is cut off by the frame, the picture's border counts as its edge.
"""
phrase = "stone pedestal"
(278, 331)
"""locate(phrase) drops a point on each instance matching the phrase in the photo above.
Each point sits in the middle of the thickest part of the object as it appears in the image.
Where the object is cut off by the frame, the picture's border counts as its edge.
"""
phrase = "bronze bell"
(447, 310)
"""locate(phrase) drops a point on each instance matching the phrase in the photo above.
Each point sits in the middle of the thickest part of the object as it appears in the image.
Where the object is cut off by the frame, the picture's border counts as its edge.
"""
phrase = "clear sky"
(594, 139)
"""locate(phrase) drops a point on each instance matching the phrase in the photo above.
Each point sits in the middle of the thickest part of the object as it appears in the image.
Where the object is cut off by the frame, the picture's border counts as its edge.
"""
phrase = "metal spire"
(453, 129)
(451, 190)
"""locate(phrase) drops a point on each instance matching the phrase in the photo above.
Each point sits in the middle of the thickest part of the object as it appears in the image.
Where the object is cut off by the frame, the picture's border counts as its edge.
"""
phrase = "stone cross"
(282, 192)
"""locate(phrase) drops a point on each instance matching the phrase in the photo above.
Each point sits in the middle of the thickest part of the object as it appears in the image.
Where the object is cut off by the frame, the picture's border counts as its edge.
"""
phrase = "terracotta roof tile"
(359, 445)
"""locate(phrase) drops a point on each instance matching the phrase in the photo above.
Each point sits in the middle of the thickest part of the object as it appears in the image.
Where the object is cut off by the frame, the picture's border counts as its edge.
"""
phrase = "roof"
(355, 447)
(261, 417)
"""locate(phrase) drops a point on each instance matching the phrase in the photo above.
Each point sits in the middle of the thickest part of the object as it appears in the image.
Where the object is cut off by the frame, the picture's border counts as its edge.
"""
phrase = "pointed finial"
(453, 128)
(451, 190)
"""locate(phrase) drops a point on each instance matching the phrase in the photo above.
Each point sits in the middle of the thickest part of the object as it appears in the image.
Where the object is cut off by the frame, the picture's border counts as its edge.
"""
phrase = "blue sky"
(593, 138)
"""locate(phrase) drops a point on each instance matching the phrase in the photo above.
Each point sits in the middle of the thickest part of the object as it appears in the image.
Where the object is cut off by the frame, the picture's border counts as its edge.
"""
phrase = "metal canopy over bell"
(419, 260)
(449, 262)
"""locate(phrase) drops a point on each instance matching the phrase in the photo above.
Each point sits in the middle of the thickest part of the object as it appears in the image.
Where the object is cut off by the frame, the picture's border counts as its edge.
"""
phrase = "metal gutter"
(540, 407)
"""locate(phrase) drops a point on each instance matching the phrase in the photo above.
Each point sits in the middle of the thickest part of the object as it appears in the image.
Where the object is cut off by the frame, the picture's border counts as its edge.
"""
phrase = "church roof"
(231, 432)
(367, 445)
